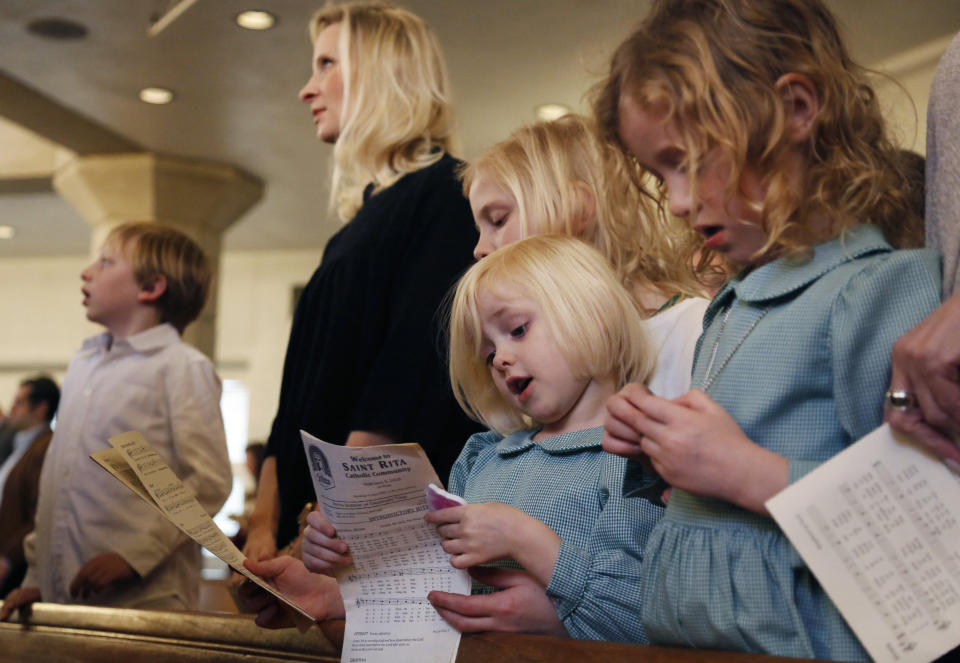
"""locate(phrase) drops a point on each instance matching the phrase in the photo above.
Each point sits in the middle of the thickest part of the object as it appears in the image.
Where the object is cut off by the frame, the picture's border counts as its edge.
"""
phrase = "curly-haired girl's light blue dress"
(802, 365)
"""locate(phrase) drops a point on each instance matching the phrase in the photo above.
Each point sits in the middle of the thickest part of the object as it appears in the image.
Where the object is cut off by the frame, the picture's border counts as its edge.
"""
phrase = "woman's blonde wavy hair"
(594, 320)
(565, 180)
(397, 114)
(714, 65)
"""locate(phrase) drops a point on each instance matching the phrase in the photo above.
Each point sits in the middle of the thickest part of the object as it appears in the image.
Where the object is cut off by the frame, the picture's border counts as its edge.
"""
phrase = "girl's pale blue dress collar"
(783, 277)
(557, 444)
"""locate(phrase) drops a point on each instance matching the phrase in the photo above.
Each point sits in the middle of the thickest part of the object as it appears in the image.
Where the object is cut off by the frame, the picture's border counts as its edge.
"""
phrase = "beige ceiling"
(237, 90)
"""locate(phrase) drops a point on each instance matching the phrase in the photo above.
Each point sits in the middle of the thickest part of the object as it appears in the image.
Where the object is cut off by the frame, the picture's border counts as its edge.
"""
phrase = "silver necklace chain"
(708, 379)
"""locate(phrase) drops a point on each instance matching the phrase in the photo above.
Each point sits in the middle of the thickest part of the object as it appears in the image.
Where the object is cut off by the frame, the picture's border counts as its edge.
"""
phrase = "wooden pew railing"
(54, 633)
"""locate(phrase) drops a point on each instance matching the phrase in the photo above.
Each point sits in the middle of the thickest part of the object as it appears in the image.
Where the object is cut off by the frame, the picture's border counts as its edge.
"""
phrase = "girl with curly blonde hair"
(765, 137)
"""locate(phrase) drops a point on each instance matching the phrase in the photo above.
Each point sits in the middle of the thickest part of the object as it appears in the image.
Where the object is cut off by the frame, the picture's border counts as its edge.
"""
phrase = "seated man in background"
(30, 416)
(6, 437)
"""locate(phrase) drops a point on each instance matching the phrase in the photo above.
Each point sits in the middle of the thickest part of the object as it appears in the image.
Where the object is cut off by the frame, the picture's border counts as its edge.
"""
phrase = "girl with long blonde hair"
(559, 177)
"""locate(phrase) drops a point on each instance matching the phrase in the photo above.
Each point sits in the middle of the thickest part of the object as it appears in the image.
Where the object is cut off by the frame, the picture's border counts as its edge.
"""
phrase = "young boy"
(93, 542)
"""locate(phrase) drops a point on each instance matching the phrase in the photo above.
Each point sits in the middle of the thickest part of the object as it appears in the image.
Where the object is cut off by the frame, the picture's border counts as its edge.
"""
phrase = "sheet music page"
(140, 468)
(116, 464)
(879, 526)
(374, 496)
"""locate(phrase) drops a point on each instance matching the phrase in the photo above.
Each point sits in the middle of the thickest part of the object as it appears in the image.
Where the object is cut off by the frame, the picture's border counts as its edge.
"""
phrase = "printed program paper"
(879, 526)
(374, 496)
(138, 466)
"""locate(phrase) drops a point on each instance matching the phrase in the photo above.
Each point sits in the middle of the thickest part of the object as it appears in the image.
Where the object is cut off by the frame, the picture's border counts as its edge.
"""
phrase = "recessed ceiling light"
(156, 95)
(255, 19)
(548, 112)
(7, 232)
(55, 27)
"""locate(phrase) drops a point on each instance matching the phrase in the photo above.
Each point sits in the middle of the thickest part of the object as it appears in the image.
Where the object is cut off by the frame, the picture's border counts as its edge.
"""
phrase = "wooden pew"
(78, 634)
(54, 633)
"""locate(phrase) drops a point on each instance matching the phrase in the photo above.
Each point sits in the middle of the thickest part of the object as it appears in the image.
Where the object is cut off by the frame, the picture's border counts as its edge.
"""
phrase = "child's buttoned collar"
(155, 338)
(565, 443)
(787, 275)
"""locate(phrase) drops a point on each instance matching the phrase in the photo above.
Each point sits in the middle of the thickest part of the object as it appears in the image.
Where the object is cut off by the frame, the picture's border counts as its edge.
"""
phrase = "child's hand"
(100, 573)
(695, 445)
(620, 426)
(317, 594)
(322, 550)
(18, 598)
(479, 533)
(522, 607)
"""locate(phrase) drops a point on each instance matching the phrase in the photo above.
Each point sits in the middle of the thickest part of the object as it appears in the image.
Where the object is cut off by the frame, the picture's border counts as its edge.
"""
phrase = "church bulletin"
(138, 466)
(879, 526)
(375, 498)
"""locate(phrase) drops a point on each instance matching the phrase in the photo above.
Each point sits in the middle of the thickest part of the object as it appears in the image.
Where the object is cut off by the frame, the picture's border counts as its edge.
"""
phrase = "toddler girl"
(542, 333)
(762, 134)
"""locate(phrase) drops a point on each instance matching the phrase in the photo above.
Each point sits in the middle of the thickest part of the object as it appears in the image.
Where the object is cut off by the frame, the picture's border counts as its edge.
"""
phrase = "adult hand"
(317, 594)
(369, 438)
(926, 363)
(521, 607)
(322, 550)
(262, 526)
(101, 572)
(18, 598)
(695, 445)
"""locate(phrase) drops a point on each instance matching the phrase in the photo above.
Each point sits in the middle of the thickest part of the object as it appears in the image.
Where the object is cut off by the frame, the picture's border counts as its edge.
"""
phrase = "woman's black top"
(366, 349)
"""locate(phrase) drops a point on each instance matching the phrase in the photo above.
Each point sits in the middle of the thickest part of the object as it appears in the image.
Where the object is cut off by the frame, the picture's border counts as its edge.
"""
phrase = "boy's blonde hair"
(715, 63)
(566, 180)
(594, 321)
(397, 115)
(155, 250)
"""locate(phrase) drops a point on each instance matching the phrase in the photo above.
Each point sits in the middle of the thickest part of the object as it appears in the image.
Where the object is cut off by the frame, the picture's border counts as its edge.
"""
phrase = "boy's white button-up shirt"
(154, 383)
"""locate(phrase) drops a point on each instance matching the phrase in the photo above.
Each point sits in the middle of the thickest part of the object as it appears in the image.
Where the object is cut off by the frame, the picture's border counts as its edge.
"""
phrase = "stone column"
(200, 198)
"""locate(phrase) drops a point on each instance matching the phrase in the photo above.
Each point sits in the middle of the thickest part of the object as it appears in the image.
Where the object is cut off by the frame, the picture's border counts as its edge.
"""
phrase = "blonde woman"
(362, 364)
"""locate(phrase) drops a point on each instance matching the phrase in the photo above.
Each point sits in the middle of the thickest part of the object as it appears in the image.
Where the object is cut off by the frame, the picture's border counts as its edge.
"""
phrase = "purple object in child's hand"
(438, 498)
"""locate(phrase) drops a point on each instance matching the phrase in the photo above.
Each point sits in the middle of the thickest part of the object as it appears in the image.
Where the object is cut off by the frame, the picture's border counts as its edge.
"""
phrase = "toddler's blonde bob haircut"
(153, 250)
(592, 317)
(566, 180)
(397, 114)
